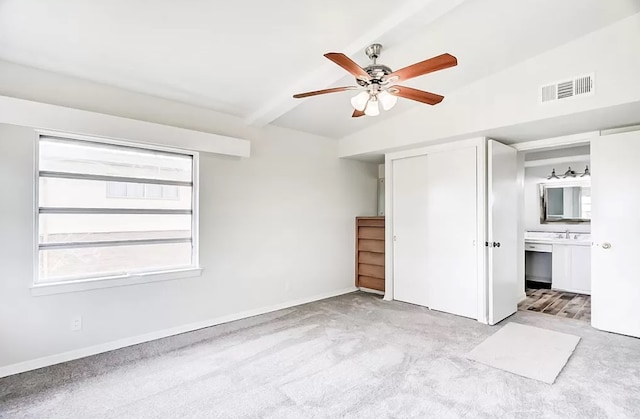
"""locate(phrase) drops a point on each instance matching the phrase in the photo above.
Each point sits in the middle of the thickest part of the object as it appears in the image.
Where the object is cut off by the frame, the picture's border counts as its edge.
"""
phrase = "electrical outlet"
(76, 323)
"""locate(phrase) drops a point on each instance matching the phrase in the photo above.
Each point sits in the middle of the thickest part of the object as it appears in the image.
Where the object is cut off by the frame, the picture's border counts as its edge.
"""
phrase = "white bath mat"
(527, 351)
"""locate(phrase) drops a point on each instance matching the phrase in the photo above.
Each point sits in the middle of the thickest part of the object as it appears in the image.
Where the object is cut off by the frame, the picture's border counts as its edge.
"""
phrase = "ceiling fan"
(378, 83)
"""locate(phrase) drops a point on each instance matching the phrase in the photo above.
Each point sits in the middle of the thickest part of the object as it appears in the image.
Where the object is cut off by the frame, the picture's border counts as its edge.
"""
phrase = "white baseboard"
(134, 340)
(369, 290)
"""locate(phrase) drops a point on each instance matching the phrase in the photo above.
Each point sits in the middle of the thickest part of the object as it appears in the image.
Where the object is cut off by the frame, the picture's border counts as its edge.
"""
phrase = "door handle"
(606, 245)
(496, 244)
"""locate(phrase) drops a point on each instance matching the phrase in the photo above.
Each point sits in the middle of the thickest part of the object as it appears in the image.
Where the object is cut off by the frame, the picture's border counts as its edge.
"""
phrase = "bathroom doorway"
(556, 209)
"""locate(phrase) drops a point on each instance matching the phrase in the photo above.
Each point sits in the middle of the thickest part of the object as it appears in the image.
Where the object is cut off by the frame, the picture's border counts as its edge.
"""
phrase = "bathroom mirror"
(566, 203)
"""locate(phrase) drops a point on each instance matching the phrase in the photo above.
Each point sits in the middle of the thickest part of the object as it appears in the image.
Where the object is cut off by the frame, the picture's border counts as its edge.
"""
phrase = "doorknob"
(606, 245)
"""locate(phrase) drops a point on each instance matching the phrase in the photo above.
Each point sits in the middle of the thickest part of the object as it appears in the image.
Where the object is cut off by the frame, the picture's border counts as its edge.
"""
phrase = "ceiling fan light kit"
(387, 100)
(372, 109)
(377, 82)
(360, 100)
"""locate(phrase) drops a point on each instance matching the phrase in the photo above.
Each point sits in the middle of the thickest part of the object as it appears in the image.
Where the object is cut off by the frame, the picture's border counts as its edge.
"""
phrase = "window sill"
(114, 281)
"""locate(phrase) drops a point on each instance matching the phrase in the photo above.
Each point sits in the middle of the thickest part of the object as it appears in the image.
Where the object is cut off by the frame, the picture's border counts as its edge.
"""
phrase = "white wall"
(533, 177)
(275, 228)
(510, 97)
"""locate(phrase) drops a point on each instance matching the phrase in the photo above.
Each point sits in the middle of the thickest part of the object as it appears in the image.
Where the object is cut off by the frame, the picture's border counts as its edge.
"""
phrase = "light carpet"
(353, 356)
(528, 351)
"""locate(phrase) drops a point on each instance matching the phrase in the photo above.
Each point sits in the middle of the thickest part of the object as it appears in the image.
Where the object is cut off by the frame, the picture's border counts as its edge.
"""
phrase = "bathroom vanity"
(561, 258)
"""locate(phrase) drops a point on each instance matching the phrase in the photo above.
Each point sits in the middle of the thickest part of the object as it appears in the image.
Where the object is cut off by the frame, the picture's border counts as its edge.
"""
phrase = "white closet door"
(451, 232)
(615, 229)
(502, 229)
(410, 230)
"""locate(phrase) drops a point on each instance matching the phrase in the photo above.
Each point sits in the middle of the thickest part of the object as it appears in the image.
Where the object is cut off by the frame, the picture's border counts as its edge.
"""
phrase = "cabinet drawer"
(371, 283)
(370, 222)
(373, 233)
(376, 246)
(371, 258)
(537, 247)
(371, 270)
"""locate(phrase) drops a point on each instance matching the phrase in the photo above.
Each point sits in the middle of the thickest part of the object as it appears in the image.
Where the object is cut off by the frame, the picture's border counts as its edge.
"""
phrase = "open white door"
(502, 234)
(615, 224)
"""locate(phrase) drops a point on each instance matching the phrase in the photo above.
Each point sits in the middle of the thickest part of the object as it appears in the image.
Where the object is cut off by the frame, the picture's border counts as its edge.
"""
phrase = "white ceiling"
(485, 35)
(246, 58)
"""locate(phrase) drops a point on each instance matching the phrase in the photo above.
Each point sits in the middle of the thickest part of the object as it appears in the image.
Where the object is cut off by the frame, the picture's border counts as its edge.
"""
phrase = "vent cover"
(579, 86)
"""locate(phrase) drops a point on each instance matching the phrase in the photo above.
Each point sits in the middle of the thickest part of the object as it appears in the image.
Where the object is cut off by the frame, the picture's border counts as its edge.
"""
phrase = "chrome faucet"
(566, 234)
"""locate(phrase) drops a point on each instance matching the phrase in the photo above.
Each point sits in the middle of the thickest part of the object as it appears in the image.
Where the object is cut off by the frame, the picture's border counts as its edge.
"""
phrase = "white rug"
(527, 351)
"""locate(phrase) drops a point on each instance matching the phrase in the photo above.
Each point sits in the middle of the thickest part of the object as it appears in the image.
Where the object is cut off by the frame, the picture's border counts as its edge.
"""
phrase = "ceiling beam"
(557, 160)
(557, 142)
(397, 24)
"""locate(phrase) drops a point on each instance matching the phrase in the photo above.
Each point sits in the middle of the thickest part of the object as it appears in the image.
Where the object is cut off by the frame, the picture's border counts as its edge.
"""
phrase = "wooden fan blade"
(357, 113)
(348, 64)
(423, 67)
(415, 94)
(322, 92)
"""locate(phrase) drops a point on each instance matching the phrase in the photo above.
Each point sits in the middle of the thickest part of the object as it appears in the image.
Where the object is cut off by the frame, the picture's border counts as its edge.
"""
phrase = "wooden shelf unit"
(370, 253)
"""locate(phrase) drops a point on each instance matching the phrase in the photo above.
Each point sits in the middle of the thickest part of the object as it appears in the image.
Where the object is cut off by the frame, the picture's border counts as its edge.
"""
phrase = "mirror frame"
(544, 199)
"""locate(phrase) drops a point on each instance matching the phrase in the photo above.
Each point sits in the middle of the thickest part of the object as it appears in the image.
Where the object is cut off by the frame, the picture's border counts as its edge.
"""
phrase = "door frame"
(480, 144)
(572, 140)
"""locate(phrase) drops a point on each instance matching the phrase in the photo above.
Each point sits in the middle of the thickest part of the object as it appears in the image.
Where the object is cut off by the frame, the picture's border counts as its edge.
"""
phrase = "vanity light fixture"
(586, 172)
(569, 173)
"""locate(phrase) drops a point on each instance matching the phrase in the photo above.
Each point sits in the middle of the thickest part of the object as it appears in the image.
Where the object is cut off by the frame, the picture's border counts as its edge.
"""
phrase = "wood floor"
(558, 303)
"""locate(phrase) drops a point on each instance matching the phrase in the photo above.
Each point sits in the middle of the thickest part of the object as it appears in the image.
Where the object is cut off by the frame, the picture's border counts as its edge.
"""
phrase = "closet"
(452, 217)
(435, 229)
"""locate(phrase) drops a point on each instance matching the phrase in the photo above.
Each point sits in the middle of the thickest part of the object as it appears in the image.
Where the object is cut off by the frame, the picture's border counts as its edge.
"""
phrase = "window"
(109, 210)
(141, 191)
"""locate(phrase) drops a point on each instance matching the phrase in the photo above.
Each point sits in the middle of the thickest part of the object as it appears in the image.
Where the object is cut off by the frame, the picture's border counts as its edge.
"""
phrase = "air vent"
(549, 92)
(583, 85)
(565, 89)
(579, 86)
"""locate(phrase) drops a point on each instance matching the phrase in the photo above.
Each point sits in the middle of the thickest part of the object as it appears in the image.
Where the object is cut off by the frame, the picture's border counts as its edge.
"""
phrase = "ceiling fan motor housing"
(375, 71)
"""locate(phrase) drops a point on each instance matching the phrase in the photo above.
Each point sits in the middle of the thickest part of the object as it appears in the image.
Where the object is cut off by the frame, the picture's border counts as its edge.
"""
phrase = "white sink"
(557, 237)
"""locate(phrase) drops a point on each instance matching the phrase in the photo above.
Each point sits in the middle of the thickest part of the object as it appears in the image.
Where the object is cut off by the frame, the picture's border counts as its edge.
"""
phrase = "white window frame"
(133, 278)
